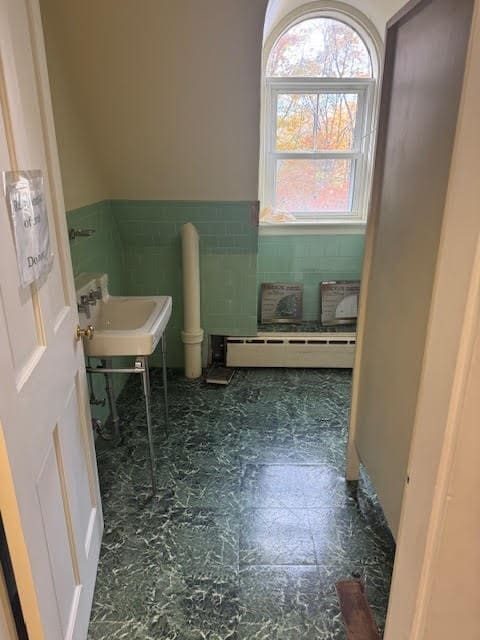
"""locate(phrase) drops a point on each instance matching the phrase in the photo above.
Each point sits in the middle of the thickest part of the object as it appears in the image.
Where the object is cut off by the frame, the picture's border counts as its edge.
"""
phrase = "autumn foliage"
(320, 122)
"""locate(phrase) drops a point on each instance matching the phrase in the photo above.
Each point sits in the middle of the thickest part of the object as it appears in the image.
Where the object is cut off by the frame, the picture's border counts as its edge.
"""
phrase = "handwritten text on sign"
(25, 196)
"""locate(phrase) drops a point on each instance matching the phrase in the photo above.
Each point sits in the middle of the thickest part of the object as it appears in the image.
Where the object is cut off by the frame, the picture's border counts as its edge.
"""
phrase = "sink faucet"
(94, 295)
(88, 300)
(84, 305)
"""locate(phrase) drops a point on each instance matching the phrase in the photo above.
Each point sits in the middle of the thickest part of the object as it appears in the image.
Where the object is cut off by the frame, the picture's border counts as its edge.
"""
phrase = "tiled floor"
(253, 524)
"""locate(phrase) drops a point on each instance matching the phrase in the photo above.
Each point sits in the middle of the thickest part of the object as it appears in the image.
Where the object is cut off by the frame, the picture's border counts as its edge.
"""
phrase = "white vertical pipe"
(192, 334)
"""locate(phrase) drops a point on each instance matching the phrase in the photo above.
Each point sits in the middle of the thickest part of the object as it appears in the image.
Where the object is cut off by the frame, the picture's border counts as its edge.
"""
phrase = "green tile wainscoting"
(309, 260)
(101, 253)
(150, 234)
(138, 244)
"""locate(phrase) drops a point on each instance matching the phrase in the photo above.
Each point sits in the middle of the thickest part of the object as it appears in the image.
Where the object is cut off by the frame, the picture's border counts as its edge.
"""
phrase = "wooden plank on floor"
(357, 615)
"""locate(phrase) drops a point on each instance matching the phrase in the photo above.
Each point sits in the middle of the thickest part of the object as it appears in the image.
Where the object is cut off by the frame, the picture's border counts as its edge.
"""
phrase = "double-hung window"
(319, 106)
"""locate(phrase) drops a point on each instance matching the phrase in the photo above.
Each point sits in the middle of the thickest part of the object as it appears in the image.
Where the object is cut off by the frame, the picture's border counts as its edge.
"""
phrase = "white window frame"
(358, 154)
(353, 221)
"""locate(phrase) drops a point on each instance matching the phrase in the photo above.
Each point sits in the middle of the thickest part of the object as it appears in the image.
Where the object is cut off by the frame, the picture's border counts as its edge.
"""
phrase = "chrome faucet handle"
(84, 307)
(90, 298)
(96, 293)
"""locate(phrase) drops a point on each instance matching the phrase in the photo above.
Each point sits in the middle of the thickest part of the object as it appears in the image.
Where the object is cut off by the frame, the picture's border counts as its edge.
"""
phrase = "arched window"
(320, 81)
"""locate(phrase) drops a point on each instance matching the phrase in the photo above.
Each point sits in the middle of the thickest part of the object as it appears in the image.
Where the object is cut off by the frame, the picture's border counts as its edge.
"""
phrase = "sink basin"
(124, 325)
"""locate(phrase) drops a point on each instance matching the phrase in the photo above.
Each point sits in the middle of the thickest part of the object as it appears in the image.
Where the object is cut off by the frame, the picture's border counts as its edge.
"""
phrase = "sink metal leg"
(164, 376)
(107, 364)
(146, 391)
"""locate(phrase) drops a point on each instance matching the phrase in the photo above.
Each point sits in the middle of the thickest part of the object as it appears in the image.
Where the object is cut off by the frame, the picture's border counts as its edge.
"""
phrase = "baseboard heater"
(292, 350)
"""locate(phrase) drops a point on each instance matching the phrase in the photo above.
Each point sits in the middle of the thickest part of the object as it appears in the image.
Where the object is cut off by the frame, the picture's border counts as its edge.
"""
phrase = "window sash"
(358, 155)
(326, 213)
(318, 155)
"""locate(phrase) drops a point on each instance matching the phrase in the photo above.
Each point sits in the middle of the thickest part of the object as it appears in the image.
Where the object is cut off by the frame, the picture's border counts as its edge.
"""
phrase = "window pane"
(316, 122)
(320, 48)
(337, 113)
(296, 116)
(314, 185)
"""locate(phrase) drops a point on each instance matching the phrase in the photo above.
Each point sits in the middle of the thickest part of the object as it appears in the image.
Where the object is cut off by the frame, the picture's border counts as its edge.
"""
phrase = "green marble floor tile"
(253, 522)
(216, 491)
(276, 536)
(172, 603)
(204, 606)
(297, 625)
(293, 486)
(267, 591)
(342, 533)
(221, 461)
(201, 540)
(287, 602)
(130, 629)
(287, 447)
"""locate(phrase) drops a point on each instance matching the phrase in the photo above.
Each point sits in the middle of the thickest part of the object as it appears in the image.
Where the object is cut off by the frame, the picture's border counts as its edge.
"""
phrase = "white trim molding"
(324, 228)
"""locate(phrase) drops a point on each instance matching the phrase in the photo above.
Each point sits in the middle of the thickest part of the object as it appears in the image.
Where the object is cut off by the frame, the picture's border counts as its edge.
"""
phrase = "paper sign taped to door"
(25, 195)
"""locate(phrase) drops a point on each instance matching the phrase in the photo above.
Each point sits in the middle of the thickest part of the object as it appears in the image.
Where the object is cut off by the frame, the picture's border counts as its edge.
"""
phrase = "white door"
(49, 496)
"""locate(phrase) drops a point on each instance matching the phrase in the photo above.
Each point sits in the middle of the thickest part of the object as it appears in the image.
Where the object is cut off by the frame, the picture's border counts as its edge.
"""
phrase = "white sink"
(124, 325)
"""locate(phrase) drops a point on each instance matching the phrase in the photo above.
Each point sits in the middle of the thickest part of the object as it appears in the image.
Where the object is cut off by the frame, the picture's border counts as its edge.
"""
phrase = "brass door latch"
(85, 333)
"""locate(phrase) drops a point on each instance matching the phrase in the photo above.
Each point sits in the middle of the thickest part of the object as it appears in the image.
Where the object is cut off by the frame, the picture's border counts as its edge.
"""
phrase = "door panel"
(49, 493)
(71, 450)
(56, 534)
(427, 50)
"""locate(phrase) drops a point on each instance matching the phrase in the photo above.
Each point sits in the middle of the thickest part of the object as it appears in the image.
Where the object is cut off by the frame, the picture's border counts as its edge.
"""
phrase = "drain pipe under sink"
(192, 334)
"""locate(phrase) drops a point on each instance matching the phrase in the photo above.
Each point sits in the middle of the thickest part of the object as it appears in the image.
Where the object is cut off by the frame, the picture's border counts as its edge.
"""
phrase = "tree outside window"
(319, 90)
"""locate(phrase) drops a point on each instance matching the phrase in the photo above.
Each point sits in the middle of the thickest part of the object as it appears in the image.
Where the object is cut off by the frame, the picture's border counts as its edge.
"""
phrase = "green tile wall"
(138, 244)
(308, 260)
(150, 234)
(103, 252)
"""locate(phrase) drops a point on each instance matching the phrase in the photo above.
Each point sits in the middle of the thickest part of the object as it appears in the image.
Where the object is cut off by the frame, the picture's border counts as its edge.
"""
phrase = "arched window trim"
(355, 221)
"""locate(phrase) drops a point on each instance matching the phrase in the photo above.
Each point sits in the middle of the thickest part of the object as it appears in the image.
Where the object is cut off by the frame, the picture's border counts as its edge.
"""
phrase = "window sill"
(331, 228)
